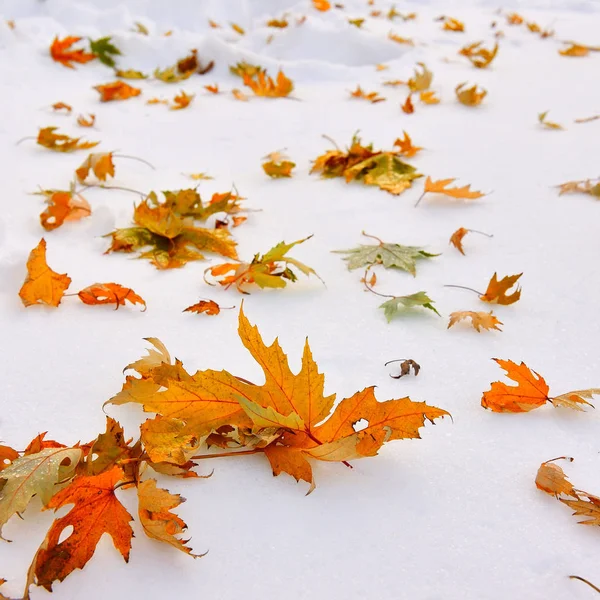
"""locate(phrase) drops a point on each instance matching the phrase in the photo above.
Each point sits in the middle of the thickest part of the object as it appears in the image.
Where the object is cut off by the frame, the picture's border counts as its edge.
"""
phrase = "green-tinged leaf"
(386, 171)
(171, 74)
(388, 255)
(130, 74)
(104, 49)
(399, 304)
(34, 474)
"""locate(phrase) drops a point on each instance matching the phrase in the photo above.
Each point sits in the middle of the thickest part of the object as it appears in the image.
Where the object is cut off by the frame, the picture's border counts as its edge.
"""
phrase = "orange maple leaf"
(61, 52)
(63, 206)
(408, 106)
(496, 290)
(263, 85)
(62, 106)
(406, 147)
(372, 97)
(42, 285)
(478, 319)
(116, 90)
(210, 307)
(530, 393)
(96, 512)
(182, 100)
(101, 163)
(60, 142)
(109, 293)
(83, 122)
(322, 5)
(457, 237)
(441, 187)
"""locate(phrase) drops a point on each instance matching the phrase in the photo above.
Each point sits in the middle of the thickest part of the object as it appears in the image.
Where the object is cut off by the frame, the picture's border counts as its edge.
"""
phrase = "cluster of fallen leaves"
(288, 419)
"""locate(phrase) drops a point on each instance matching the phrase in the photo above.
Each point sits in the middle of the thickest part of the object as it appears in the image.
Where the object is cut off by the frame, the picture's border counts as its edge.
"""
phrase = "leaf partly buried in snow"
(61, 51)
(63, 206)
(470, 96)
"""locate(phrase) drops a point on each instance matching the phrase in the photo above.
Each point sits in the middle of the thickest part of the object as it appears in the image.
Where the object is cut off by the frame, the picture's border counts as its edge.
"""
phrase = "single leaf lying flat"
(42, 285)
(479, 320)
(278, 165)
(61, 52)
(130, 74)
(96, 511)
(60, 142)
(399, 304)
(441, 187)
(109, 293)
(116, 90)
(548, 124)
(496, 290)
(386, 171)
(34, 474)
(210, 307)
(388, 255)
(530, 393)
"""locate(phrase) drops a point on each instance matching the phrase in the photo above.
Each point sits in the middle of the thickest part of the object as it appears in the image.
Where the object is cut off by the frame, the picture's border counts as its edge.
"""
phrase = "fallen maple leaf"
(183, 100)
(478, 319)
(271, 269)
(239, 95)
(429, 97)
(278, 165)
(496, 290)
(398, 305)
(530, 393)
(372, 97)
(101, 163)
(63, 206)
(389, 255)
(399, 39)
(42, 285)
(263, 85)
(62, 106)
(405, 366)
(441, 187)
(421, 80)
(155, 514)
(406, 147)
(96, 512)
(322, 5)
(37, 474)
(60, 142)
(470, 96)
(408, 106)
(105, 50)
(551, 479)
(457, 237)
(479, 56)
(575, 50)
(210, 307)
(83, 122)
(514, 19)
(213, 89)
(109, 293)
(130, 74)
(61, 52)
(116, 90)
(584, 186)
(451, 24)
(548, 124)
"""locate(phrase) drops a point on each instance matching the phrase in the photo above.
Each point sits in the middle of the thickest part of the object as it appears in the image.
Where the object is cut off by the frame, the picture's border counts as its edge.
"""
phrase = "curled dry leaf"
(408, 106)
(243, 68)
(278, 165)
(100, 163)
(422, 78)
(551, 479)
(86, 122)
(397, 305)
(117, 90)
(60, 142)
(575, 50)
(452, 24)
(42, 285)
(405, 366)
(182, 100)
(130, 74)
(270, 270)
(405, 146)
(470, 96)
(429, 97)
(237, 28)
(171, 74)
(496, 290)
(457, 237)
(514, 19)
(530, 393)
(479, 56)
(63, 206)
(213, 89)
(546, 123)
(584, 186)
(263, 85)
(109, 293)
(479, 320)
(372, 97)
(96, 511)
(209, 307)
(278, 23)
(62, 52)
(62, 106)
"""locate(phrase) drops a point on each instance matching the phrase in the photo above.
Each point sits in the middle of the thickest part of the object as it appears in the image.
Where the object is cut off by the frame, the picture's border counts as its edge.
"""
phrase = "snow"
(455, 515)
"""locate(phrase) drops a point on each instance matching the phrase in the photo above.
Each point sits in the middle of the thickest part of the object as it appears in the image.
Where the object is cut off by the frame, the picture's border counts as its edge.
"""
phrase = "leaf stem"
(113, 187)
(490, 235)
(373, 237)
(370, 289)
(29, 137)
(331, 140)
(135, 158)
(462, 287)
(226, 454)
(585, 581)
(420, 198)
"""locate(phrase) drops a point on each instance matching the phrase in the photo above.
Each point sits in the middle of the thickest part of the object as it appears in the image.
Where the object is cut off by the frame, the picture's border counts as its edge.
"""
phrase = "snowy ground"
(455, 515)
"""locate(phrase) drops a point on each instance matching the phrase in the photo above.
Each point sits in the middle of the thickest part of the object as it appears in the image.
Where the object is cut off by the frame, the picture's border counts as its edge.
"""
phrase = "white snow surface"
(455, 515)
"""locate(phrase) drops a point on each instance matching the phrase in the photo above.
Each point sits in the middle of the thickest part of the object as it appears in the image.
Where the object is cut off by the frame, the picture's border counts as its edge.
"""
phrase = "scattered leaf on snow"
(60, 142)
(372, 97)
(408, 106)
(182, 100)
(470, 96)
(86, 122)
(42, 285)
(63, 206)
(451, 24)
(405, 146)
(263, 85)
(116, 90)
(397, 305)
(405, 366)
(100, 163)
(210, 307)
(479, 56)
(109, 293)
(478, 319)
(429, 97)
(399, 39)
(496, 290)
(213, 89)
(548, 124)
(457, 237)
(322, 5)
(278, 165)
(422, 78)
(584, 186)
(105, 50)
(62, 106)
(130, 74)
(62, 52)
(441, 187)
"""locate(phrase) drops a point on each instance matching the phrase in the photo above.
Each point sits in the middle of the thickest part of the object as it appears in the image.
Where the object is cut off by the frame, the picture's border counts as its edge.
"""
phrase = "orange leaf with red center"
(63, 206)
(42, 285)
(61, 52)
(96, 511)
(109, 293)
(116, 90)
(530, 393)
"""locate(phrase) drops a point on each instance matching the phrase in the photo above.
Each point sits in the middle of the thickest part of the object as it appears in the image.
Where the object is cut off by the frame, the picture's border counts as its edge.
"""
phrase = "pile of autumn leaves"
(288, 419)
